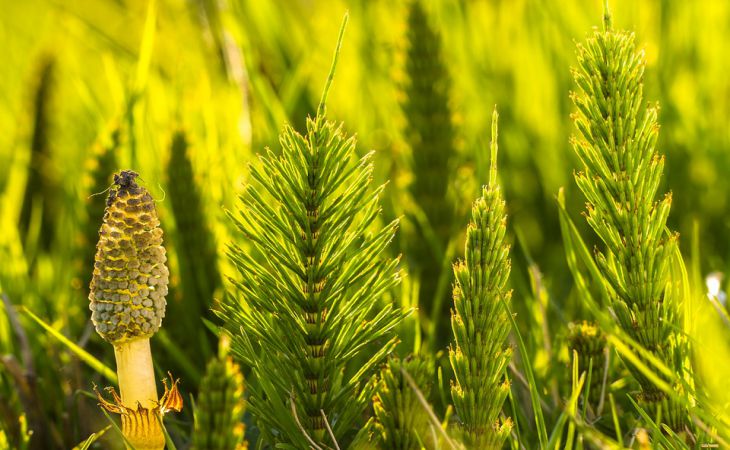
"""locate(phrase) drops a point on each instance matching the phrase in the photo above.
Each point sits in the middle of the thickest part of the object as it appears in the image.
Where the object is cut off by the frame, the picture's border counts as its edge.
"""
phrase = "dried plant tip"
(142, 426)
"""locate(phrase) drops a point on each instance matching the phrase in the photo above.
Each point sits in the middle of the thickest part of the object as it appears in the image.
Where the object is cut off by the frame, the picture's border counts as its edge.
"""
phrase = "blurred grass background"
(229, 74)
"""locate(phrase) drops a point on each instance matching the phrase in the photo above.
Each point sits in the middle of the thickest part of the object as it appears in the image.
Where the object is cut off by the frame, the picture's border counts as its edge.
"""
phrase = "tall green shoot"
(431, 136)
(480, 354)
(306, 307)
(616, 143)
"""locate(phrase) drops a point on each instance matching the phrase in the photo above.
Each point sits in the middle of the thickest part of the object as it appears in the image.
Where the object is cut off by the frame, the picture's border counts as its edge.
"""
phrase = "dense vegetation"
(318, 252)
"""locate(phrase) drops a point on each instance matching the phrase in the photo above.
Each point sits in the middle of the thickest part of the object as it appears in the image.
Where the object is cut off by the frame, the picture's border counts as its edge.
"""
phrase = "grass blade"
(534, 394)
(98, 366)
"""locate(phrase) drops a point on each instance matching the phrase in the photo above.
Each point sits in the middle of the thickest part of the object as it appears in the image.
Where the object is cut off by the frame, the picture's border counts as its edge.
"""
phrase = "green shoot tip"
(606, 16)
(331, 75)
(493, 149)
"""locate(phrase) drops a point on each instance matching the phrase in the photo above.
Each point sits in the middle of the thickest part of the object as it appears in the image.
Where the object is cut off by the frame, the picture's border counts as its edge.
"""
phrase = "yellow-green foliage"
(39, 202)
(195, 243)
(401, 421)
(100, 167)
(220, 407)
(588, 341)
(414, 78)
(307, 317)
(197, 261)
(430, 135)
(480, 354)
(620, 179)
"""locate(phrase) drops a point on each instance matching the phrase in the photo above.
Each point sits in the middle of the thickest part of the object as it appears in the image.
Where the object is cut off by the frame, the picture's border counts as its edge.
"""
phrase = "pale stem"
(136, 374)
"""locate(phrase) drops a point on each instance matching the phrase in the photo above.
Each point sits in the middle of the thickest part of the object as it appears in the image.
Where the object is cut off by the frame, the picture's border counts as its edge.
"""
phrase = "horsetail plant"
(220, 407)
(41, 190)
(100, 167)
(308, 307)
(127, 301)
(480, 353)
(430, 135)
(401, 422)
(195, 245)
(616, 144)
(588, 341)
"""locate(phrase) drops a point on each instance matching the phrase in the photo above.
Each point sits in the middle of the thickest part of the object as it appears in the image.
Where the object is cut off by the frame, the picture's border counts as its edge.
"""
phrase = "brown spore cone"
(130, 278)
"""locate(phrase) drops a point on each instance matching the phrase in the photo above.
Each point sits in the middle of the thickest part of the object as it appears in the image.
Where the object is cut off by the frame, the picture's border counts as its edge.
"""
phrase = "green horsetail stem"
(127, 301)
(616, 144)
(589, 342)
(41, 192)
(430, 135)
(195, 242)
(99, 168)
(307, 314)
(220, 407)
(401, 422)
(480, 353)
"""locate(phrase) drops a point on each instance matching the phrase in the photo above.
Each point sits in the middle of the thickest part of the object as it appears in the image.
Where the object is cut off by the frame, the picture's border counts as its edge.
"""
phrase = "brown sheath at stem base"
(142, 426)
